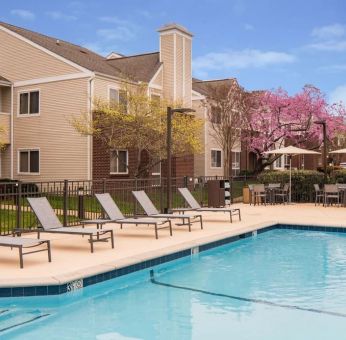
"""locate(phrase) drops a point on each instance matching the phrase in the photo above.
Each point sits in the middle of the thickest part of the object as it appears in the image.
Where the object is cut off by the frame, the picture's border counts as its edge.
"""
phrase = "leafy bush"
(339, 176)
(302, 182)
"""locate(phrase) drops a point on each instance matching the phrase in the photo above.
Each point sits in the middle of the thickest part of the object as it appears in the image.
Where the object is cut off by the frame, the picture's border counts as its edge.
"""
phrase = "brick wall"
(181, 166)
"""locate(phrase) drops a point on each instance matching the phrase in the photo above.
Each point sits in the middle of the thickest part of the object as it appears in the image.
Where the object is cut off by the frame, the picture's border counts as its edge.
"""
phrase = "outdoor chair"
(331, 194)
(115, 215)
(195, 206)
(50, 224)
(319, 194)
(259, 194)
(25, 243)
(151, 211)
(283, 195)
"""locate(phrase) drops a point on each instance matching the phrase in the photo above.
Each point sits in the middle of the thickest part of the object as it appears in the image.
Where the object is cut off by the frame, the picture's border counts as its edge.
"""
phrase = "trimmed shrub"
(339, 176)
(302, 182)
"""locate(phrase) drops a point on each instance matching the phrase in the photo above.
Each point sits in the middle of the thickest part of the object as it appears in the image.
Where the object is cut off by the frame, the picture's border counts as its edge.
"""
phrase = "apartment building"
(44, 81)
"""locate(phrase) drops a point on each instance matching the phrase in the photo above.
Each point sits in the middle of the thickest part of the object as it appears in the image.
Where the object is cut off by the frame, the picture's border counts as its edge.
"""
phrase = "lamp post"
(324, 125)
(170, 112)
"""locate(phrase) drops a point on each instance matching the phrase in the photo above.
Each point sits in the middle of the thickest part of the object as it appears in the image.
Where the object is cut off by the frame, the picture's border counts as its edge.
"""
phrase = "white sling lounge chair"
(115, 215)
(25, 243)
(150, 209)
(195, 206)
(51, 224)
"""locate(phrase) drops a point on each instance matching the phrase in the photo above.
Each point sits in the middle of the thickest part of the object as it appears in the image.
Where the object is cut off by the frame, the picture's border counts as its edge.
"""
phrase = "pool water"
(281, 284)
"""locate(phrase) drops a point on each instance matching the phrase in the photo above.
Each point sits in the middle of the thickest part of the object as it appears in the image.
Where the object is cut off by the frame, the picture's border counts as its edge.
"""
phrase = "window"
(113, 96)
(215, 115)
(119, 162)
(155, 98)
(278, 162)
(29, 161)
(216, 158)
(156, 169)
(118, 97)
(29, 103)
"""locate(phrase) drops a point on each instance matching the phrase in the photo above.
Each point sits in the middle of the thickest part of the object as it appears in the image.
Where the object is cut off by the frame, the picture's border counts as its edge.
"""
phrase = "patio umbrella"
(291, 151)
(338, 151)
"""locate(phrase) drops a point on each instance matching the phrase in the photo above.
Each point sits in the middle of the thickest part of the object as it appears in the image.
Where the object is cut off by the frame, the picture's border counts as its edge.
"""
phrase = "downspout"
(89, 138)
(11, 132)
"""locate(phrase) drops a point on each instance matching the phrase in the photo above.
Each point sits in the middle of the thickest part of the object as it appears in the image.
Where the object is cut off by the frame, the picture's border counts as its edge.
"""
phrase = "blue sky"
(264, 44)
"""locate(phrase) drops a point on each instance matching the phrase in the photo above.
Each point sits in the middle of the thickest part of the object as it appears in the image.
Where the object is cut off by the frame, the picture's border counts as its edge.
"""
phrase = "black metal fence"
(74, 201)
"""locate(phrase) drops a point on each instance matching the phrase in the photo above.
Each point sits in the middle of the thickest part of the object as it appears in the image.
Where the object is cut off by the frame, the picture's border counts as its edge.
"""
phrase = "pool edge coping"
(57, 285)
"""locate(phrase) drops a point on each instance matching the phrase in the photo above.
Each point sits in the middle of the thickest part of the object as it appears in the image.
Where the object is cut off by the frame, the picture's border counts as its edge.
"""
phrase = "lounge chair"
(51, 224)
(24, 243)
(150, 209)
(195, 206)
(115, 215)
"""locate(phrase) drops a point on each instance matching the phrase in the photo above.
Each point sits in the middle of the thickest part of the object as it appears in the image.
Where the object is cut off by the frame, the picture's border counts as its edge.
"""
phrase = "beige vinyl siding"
(158, 78)
(167, 57)
(179, 68)
(101, 87)
(5, 155)
(188, 71)
(63, 151)
(22, 61)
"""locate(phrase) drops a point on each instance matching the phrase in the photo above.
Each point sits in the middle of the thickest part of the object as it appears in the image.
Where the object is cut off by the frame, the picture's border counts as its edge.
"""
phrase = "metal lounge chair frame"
(150, 209)
(115, 215)
(25, 243)
(195, 206)
(50, 224)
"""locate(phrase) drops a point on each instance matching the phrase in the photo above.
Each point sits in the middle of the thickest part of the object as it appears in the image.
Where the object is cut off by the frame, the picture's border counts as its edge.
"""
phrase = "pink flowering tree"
(276, 119)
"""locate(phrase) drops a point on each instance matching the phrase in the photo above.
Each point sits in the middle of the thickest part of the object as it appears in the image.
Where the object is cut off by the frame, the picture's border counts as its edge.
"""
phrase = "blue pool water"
(282, 284)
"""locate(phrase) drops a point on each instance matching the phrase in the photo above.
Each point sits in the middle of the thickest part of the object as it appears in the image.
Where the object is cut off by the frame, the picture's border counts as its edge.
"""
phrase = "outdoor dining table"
(271, 189)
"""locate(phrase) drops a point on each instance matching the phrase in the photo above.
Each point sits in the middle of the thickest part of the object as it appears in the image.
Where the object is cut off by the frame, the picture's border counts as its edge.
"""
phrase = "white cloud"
(329, 38)
(23, 13)
(121, 30)
(333, 68)
(248, 58)
(329, 32)
(119, 33)
(336, 46)
(249, 27)
(338, 95)
(57, 15)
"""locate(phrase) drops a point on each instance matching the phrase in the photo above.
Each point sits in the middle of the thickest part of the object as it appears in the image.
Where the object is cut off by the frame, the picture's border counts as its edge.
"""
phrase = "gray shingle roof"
(139, 67)
(91, 60)
(203, 86)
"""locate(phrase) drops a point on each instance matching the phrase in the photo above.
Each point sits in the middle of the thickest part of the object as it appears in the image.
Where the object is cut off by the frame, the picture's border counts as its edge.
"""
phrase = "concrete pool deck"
(72, 260)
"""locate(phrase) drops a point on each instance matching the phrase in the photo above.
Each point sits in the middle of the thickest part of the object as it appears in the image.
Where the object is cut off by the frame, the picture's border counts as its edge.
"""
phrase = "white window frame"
(158, 173)
(112, 87)
(118, 89)
(127, 163)
(39, 161)
(236, 163)
(39, 103)
(211, 159)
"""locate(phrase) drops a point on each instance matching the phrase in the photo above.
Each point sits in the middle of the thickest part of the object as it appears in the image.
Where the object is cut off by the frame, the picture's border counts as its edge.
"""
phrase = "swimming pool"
(281, 284)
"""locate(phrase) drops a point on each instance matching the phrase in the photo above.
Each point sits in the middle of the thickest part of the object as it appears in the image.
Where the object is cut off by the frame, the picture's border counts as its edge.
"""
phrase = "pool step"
(10, 319)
